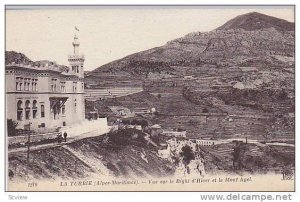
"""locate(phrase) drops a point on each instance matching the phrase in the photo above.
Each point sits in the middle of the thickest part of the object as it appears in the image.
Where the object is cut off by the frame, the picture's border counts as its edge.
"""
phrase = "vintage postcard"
(150, 98)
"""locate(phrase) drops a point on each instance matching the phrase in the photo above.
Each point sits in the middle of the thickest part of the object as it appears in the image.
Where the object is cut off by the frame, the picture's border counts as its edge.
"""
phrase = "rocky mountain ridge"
(235, 43)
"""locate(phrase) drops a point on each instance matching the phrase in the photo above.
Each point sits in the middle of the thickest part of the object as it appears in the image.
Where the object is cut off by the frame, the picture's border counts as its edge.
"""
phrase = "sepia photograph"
(150, 98)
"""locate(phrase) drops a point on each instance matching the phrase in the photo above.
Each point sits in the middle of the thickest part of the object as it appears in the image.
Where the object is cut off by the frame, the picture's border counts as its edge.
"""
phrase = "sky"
(110, 33)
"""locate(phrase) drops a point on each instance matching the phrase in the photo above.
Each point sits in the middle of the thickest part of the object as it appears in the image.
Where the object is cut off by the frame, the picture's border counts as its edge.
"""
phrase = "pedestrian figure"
(65, 136)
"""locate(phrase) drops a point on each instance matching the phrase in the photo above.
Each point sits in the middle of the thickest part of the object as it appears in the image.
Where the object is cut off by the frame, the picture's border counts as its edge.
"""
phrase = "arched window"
(34, 109)
(27, 109)
(74, 87)
(63, 109)
(20, 104)
(27, 104)
(42, 111)
(25, 84)
(19, 110)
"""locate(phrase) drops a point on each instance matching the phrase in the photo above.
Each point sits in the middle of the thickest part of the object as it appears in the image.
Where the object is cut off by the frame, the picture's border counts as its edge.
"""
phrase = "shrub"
(11, 127)
(187, 154)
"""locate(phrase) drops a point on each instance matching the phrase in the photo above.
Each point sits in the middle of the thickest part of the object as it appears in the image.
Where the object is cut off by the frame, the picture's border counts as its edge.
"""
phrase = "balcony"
(75, 57)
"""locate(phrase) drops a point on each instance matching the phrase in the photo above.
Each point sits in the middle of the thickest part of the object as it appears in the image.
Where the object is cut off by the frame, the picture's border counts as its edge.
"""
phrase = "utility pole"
(28, 145)
(28, 151)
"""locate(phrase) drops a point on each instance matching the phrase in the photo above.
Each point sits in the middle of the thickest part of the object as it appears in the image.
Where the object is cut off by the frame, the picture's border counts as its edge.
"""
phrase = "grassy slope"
(256, 159)
(119, 152)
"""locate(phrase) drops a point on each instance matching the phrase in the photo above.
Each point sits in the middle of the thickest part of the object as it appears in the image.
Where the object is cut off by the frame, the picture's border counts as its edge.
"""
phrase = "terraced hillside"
(243, 71)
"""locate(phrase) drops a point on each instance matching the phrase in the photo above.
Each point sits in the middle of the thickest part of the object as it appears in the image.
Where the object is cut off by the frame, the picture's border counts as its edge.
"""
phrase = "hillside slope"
(256, 37)
(255, 21)
(13, 57)
(244, 69)
(125, 154)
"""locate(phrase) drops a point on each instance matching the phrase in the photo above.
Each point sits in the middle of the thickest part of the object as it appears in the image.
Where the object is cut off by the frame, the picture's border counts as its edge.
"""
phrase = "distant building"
(165, 153)
(156, 129)
(203, 142)
(138, 127)
(174, 133)
(249, 69)
(189, 77)
(172, 142)
(121, 111)
(46, 96)
(142, 110)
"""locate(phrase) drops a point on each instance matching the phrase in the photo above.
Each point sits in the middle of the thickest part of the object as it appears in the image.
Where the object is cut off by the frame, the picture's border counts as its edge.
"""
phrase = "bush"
(187, 154)
(205, 110)
(11, 127)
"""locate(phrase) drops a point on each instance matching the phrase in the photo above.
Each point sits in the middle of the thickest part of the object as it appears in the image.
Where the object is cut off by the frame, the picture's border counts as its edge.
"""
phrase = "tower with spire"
(76, 60)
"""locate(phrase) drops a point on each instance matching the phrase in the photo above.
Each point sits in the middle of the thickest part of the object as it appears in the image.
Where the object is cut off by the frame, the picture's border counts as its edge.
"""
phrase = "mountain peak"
(256, 21)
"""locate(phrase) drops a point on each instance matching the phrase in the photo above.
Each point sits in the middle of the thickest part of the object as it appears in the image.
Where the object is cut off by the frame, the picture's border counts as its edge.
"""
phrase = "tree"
(238, 155)
(11, 127)
(283, 95)
(187, 154)
(268, 134)
(159, 96)
(205, 110)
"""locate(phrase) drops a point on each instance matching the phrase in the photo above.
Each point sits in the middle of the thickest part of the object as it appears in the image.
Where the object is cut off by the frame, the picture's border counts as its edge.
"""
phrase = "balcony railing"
(76, 56)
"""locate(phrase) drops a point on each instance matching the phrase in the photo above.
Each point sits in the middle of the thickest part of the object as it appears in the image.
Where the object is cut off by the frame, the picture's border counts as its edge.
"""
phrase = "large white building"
(47, 96)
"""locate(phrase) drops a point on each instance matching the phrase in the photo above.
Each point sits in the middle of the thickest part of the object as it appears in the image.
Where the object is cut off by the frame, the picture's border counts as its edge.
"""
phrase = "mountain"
(253, 38)
(19, 58)
(15, 57)
(225, 70)
(255, 21)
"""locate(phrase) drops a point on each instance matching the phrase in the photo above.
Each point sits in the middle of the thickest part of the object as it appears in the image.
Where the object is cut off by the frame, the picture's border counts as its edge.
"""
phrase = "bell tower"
(76, 60)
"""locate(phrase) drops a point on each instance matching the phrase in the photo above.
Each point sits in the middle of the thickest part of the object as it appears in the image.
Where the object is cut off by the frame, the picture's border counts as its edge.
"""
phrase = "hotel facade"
(46, 96)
